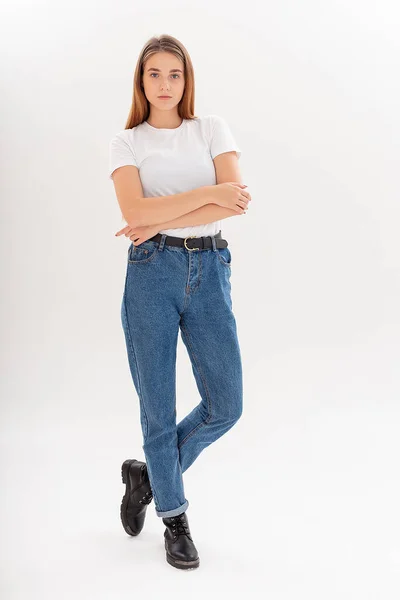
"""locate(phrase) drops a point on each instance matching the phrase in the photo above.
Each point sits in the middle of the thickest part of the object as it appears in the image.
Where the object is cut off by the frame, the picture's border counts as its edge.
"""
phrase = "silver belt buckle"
(184, 243)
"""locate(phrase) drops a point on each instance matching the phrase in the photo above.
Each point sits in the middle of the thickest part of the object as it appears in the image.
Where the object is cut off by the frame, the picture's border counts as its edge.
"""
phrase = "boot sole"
(181, 564)
(124, 504)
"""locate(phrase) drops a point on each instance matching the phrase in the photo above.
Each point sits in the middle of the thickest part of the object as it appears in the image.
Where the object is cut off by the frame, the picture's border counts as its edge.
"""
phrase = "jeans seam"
(184, 504)
(137, 367)
(226, 264)
(138, 376)
(200, 263)
(205, 387)
(144, 260)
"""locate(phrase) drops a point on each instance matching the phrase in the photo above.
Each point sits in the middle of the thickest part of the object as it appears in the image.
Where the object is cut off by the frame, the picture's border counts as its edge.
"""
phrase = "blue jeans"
(167, 289)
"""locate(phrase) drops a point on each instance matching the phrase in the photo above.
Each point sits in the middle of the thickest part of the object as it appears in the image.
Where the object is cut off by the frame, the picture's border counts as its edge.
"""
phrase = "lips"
(165, 96)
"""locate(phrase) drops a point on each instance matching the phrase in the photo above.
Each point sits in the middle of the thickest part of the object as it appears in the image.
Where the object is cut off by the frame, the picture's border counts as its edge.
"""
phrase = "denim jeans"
(170, 289)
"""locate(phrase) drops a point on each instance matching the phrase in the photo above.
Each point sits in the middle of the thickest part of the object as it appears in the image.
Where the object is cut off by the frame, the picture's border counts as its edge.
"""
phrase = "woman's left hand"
(138, 235)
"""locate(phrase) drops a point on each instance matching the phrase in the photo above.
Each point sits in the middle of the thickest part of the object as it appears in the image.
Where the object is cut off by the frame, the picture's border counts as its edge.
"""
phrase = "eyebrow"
(171, 70)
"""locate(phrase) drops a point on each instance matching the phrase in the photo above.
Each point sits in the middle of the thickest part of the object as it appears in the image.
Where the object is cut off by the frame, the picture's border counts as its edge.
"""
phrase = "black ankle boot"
(180, 549)
(137, 495)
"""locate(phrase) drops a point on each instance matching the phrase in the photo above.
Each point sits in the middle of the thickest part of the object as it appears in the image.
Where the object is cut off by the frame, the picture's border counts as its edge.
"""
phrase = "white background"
(300, 499)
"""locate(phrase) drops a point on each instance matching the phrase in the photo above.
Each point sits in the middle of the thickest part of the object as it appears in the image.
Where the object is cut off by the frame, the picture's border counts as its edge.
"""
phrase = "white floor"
(284, 507)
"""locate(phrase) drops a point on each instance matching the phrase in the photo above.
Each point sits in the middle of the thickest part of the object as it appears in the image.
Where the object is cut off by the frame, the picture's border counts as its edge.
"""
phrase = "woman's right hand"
(231, 195)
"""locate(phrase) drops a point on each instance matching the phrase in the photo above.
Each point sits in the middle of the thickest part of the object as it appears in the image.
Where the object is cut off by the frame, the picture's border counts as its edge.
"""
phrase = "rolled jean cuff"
(174, 511)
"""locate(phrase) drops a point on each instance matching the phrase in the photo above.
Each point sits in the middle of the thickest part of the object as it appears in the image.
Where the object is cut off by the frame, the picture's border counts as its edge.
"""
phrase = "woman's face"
(163, 75)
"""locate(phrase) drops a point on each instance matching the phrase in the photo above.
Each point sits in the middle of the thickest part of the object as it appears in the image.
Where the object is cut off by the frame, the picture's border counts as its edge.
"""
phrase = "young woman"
(176, 176)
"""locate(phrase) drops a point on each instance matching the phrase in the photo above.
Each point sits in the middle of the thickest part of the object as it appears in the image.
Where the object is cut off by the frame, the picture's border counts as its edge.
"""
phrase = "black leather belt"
(195, 243)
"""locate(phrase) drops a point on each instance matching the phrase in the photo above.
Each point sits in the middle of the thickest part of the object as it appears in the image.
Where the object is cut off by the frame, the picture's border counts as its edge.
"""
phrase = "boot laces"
(180, 526)
(147, 498)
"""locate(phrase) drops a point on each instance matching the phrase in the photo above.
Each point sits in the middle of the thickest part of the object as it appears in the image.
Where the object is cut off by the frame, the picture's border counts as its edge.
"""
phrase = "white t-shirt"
(171, 161)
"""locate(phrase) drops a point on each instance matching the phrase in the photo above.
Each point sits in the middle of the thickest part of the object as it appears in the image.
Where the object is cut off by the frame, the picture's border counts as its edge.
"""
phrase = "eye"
(173, 75)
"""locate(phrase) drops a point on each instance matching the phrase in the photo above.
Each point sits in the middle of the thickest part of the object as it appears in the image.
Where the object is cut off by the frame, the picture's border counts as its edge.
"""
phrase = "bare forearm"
(200, 216)
(150, 211)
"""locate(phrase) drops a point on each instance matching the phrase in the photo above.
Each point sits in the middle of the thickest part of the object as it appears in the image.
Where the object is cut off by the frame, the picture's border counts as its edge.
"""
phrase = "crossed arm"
(199, 216)
(226, 169)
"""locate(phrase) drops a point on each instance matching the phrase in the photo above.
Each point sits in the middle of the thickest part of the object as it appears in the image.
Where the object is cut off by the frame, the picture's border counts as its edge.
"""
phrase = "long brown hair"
(140, 109)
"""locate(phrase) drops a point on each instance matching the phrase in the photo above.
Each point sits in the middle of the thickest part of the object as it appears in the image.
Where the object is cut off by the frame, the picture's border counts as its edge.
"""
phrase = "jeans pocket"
(143, 253)
(225, 257)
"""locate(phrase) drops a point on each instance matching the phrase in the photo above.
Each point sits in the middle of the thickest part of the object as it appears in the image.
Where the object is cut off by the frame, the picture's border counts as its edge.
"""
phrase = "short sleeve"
(221, 137)
(121, 153)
